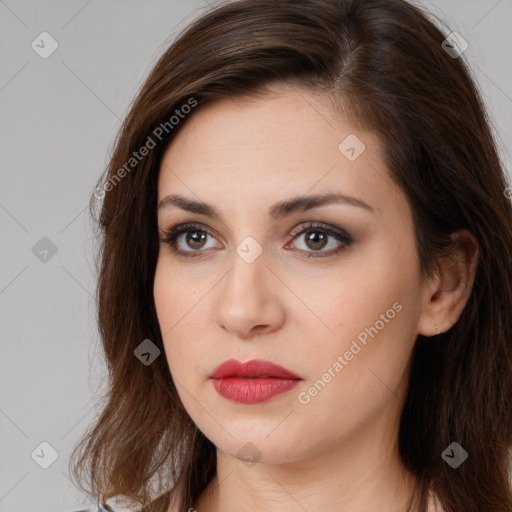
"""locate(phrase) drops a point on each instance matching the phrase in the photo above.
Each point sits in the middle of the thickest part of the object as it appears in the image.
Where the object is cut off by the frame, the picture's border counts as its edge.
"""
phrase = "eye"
(317, 238)
(195, 238)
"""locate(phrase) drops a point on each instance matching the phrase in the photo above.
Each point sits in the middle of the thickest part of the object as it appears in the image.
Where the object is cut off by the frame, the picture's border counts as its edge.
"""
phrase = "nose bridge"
(246, 278)
(245, 300)
(248, 258)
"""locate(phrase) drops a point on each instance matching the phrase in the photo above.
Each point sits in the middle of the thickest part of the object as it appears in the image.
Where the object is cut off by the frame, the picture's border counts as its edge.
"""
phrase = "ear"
(447, 293)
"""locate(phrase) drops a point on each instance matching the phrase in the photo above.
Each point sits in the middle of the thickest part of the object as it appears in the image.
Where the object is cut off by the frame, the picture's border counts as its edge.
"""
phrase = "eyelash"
(169, 237)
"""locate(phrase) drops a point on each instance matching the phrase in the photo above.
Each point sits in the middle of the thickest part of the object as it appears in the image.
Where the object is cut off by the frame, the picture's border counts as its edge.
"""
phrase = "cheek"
(354, 297)
(179, 310)
(171, 293)
(169, 309)
(370, 310)
(354, 373)
(163, 295)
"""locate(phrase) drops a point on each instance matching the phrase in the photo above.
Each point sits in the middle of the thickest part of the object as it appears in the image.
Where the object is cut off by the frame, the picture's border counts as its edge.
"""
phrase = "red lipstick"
(252, 382)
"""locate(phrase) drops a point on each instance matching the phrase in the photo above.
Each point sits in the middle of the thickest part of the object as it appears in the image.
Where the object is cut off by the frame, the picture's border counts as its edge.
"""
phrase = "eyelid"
(333, 230)
(171, 234)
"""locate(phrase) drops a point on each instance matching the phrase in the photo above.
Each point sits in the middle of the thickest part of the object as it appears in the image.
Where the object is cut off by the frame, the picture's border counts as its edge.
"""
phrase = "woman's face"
(338, 304)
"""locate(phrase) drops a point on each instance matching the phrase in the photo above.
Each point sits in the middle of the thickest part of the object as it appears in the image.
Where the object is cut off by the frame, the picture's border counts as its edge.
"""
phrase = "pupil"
(191, 237)
(315, 235)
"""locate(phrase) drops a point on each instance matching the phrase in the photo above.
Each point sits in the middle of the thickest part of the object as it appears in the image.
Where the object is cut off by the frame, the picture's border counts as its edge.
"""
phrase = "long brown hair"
(384, 62)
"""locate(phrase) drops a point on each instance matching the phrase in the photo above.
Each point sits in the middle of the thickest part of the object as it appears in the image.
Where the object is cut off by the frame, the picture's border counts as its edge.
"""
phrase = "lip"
(252, 382)
(254, 368)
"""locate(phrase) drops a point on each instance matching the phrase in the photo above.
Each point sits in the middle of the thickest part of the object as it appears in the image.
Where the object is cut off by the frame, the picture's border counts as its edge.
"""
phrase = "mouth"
(259, 377)
(252, 382)
(254, 369)
(252, 390)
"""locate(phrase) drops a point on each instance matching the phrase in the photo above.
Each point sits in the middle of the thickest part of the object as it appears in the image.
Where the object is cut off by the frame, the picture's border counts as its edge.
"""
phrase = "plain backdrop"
(59, 116)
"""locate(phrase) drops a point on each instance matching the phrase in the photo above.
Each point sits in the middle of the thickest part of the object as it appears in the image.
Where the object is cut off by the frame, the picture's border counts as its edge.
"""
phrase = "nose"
(248, 302)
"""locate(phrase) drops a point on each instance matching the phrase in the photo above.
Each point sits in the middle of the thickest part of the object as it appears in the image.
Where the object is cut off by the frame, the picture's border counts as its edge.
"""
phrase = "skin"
(339, 451)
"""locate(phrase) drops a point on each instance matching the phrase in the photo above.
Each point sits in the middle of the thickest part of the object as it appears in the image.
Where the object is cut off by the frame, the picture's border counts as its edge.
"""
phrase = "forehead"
(286, 143)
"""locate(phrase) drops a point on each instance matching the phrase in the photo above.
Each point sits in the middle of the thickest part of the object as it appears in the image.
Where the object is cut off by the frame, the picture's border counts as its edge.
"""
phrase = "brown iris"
(197, 238)
(317, 239)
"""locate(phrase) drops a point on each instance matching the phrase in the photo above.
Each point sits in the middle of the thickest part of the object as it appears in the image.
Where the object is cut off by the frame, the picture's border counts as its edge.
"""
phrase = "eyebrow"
(275, 212)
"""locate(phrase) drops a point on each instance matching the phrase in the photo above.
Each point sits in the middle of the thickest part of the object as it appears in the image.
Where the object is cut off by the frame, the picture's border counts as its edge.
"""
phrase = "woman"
(304, 286)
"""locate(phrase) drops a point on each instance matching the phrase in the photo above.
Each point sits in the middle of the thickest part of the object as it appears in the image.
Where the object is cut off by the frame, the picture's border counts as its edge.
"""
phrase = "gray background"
(59, 116)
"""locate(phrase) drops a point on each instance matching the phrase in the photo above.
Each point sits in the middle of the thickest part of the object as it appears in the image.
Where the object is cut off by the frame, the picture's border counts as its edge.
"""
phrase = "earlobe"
(445, 300)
